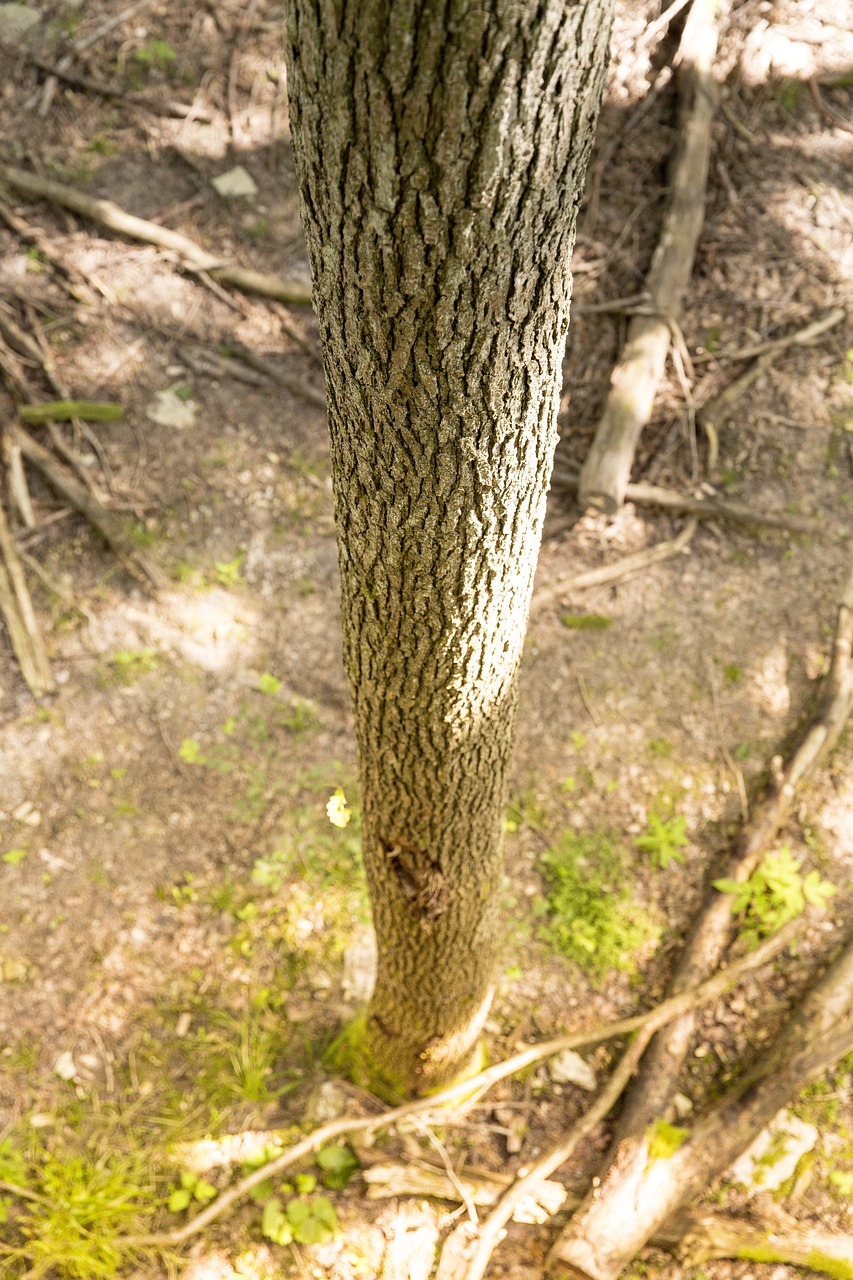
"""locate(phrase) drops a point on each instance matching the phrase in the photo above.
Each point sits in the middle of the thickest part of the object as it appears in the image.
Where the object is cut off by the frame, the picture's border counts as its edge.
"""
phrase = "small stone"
(236, 184)
(65, 1066)
(15, 21)
(775, 1153)
(569, 1067)
(326, 1103)
(169, 410)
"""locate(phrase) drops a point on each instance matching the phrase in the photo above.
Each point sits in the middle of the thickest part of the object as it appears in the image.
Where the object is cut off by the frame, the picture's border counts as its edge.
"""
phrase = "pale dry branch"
(636, 376)
(703, 506)
(62, 480)
(622, 1215)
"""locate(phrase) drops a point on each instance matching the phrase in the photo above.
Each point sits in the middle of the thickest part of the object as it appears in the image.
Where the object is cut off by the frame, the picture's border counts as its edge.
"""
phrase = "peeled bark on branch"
(636, 376)
(652, 1090)
(815, 1037)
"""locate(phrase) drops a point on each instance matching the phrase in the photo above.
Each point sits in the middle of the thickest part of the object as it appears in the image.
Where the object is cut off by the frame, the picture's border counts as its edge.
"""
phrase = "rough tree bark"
(441, 148)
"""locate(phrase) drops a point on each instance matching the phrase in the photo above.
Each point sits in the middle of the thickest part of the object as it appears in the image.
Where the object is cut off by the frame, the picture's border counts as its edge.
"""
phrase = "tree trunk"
(441, 150)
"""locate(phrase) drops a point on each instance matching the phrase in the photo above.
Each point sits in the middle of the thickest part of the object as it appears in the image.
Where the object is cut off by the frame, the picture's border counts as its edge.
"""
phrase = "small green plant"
(156, 53)
(191, 753)
(269, 684)
(80, 1209)
(130, 664)
(732, 673)
(14, 856)
(589, 913)
(228, 572)
(775, 893)
(338, 1164)
(664, 840)
(306, 1220)
(192, 1188)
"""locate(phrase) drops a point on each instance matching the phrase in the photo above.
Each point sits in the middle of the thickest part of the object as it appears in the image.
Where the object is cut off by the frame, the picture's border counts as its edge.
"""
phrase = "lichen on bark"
(441, 150)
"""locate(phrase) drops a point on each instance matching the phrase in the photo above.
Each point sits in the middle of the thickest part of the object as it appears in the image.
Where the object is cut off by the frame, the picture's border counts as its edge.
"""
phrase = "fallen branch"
(114, 218)
(636, 376)
(68, 487)
(19, 616)
(652, 1090)
(162, 107)
(623, 1219)
(350, 1125)
(704, 508)
(613, 572)
(798, 338)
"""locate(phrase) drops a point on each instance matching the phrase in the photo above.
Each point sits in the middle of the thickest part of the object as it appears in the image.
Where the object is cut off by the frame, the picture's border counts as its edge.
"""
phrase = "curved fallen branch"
(652, 1090)
(614, 572)
(635, 377)
(114, 218)
(349, 1125)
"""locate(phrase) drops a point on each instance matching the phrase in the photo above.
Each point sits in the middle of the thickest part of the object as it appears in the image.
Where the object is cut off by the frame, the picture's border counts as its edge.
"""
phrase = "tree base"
(349, 1055)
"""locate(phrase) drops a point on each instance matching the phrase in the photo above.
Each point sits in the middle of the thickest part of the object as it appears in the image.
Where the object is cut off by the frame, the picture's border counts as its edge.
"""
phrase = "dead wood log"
(636, 376)
(114, 218)
(652, 1090)
(621, 1217)
(61, 479)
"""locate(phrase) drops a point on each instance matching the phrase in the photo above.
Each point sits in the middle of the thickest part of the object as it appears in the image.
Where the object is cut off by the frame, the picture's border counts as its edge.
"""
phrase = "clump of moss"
(589, 914)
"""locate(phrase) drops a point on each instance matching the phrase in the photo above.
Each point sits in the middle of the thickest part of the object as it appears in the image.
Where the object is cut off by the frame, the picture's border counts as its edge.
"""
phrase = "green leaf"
(180, 1199)
(338, 1164)
(324, 1210)
(262, 1192)
(269, 684)
(190, 752)
(727, 886)
(817, 892)
(14, 856)
(312, 1231)
(204, 1191)
(188, 1179)
(274, 1224)
(305, 1183)
(297, 1212)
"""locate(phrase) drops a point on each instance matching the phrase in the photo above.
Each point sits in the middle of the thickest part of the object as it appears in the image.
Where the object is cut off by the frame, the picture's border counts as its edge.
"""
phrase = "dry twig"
(635, 563)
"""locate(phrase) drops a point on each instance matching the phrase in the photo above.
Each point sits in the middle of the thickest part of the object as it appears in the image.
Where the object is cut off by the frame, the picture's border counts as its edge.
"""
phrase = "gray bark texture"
(441, 147)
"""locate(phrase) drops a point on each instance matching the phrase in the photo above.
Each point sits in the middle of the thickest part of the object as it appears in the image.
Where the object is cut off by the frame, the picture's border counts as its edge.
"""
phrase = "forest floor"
(182, 931)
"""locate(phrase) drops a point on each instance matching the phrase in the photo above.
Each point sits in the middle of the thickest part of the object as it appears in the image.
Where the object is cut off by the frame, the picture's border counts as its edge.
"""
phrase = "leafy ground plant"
(775, 893)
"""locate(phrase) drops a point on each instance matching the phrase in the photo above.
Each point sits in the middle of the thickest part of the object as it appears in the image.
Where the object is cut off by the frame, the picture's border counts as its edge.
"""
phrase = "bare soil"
(182, 933)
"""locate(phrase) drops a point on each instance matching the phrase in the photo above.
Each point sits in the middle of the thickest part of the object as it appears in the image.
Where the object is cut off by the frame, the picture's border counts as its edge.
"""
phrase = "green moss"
(586, 621)
(665, 1139)
(589, 913)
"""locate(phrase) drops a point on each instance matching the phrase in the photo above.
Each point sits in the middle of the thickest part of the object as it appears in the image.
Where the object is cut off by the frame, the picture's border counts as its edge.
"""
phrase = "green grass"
(588, 912)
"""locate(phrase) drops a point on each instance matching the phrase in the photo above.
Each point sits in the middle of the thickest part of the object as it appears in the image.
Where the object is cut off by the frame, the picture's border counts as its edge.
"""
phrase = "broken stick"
(114, 218)
(635, 378)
